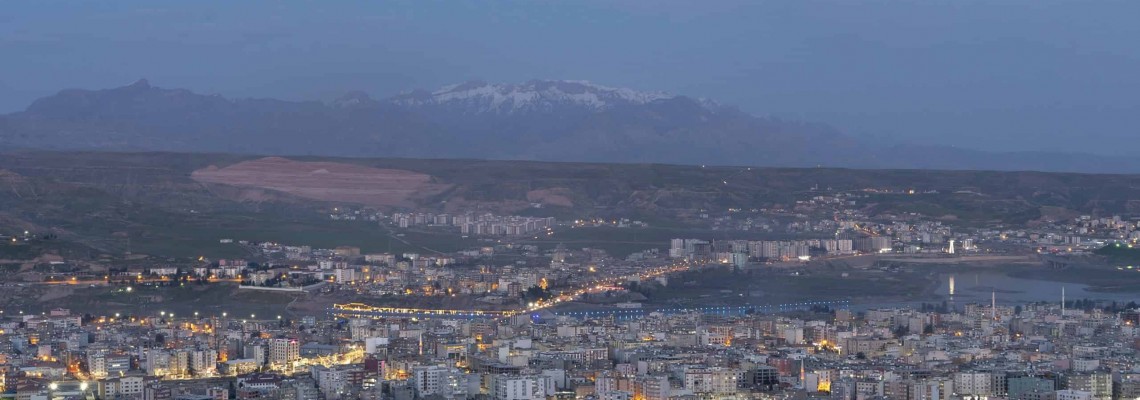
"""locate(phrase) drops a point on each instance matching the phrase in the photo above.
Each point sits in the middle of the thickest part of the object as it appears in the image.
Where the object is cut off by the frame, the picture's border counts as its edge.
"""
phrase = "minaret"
(951, 285)
(993, 305)
(1062, 301)
(803, 375)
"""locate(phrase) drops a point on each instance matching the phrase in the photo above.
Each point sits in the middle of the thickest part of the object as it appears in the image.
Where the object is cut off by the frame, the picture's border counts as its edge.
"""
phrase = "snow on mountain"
(351, 99)
(482, 97)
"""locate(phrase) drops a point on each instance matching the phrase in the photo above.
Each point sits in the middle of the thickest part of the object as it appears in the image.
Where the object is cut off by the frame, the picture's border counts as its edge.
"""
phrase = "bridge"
(1054, 261)
(358, 310)
(729, 311)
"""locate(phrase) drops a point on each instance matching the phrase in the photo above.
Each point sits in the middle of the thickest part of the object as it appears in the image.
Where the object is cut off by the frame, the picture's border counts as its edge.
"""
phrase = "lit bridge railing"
(357, 310)
(733, 310)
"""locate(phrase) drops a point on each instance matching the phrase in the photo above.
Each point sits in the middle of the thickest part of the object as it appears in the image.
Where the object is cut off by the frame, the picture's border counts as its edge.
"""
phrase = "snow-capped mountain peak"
(482, 97)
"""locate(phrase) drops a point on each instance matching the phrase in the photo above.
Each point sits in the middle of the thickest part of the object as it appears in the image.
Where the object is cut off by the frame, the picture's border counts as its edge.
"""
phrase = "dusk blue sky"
(998, 75)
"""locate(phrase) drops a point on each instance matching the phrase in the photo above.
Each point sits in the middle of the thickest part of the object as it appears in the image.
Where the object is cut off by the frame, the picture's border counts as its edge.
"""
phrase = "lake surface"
(977, 287)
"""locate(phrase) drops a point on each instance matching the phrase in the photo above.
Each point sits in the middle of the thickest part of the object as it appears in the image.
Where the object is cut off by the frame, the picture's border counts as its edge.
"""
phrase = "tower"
(803, 374)
(951, 285)
(993, 305)
(1062, 320)
(951, 249)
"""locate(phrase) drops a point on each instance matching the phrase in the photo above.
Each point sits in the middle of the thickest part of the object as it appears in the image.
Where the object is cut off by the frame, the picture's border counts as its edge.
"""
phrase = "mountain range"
(543, 120)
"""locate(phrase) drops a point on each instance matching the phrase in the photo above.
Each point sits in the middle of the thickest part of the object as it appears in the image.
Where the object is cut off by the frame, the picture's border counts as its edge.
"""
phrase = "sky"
(1033, 75)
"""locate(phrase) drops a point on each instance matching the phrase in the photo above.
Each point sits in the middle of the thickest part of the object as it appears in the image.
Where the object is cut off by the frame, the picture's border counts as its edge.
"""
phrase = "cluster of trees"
(938, 308)
(822, 309)
(278, 281)
(1089, 305)
(1118, 254)
(534, 293)
(1117, 307)
(903, 330)
(650, 289)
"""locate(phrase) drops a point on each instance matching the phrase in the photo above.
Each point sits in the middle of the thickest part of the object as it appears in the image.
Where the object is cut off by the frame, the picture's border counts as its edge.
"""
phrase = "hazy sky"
(1002, 75)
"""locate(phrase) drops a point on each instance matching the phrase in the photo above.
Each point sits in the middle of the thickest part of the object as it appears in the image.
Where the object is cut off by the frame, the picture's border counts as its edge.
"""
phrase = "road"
(570, 294)
(103, 282)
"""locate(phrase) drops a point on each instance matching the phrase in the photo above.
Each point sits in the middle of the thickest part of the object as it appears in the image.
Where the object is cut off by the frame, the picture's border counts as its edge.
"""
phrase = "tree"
(928, 329)
(901, 330)
(536, 293)
(860, 355)
(1017, 310)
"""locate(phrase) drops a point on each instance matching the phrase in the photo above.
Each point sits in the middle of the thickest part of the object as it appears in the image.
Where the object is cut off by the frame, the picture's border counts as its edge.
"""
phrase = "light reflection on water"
(973, 287)
(978, 287)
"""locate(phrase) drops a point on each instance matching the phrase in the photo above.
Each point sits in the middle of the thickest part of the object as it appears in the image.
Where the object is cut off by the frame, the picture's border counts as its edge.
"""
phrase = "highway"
(133, 280)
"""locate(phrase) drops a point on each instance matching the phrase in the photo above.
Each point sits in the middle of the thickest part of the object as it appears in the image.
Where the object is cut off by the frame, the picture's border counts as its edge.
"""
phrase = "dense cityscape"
(570, 200)
(575, 323)
(1033, 351)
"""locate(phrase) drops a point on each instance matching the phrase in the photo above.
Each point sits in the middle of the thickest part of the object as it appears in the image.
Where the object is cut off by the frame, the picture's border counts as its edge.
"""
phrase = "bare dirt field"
(553, 196)
(324, 181)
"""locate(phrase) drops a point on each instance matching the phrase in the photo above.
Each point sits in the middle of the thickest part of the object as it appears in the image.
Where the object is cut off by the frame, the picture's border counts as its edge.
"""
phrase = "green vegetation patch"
(1118, 253)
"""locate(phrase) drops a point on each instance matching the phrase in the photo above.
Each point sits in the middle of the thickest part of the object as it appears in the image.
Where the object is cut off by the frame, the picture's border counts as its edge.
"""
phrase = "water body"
(977, 288)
